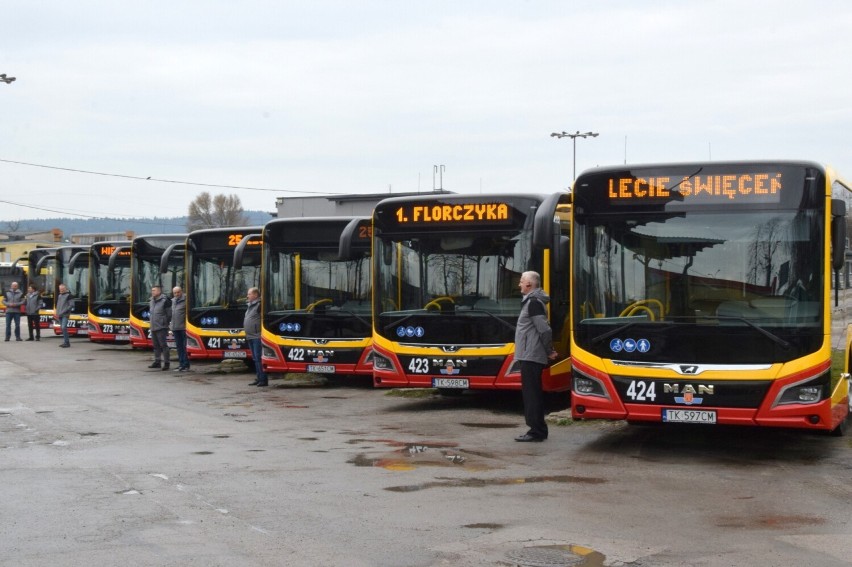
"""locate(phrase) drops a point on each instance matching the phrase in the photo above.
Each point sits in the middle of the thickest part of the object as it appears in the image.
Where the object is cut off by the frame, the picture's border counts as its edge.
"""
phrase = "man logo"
(688, 369)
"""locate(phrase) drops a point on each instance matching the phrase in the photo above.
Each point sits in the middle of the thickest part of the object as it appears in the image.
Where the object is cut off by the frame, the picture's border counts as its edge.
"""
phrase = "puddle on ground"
(308, 438)
(410, 456)
(88, 434)
(334, 397)
(203, 453)
(221, 436)
(44, 411)
(256, 451)
(483, 482)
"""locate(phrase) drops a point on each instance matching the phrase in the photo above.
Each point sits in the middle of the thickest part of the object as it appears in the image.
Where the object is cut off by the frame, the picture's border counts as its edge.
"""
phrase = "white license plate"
(321, 368)
(450, 383)
(689, 416)
(234, 354)
(122, 337)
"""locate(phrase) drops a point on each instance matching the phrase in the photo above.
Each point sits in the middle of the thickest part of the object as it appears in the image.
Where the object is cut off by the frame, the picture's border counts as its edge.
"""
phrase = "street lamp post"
(574, 137)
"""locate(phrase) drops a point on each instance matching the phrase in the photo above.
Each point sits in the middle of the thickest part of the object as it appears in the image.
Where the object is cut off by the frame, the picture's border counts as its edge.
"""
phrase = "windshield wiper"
(348, 312)
(490, 314)
(768, 334)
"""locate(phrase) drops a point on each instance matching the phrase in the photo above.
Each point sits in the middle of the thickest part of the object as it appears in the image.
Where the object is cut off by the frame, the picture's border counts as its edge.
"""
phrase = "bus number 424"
(640, 391)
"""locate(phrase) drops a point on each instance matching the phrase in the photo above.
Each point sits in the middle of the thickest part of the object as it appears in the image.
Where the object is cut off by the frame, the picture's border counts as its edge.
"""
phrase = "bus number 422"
(640, 391)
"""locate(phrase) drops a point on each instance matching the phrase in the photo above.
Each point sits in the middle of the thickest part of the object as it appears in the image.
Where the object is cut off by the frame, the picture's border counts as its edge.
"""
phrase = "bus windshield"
(717, 285)
(451, 287)
(314, 294)
(111, 285)
(219, 292)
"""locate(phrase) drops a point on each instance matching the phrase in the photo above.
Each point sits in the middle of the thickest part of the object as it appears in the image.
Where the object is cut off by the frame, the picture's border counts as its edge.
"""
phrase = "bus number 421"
(640, 391)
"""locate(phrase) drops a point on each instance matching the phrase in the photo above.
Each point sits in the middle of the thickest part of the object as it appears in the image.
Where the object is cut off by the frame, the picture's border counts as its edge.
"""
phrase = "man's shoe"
(262, 384)
(18, 339)
(527, 438)
(154, 365)
(255, 383)
(63, 345)
(165, 367)
(38, 339)
(7, 340)
(28, 340)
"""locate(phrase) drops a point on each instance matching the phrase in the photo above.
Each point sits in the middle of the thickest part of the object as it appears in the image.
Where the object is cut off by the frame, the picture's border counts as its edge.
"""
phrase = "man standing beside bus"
(160, 311)
(251, 323)
(33, 305)
(13, 298)
(64, 307)
(533, 348)
(179, 327)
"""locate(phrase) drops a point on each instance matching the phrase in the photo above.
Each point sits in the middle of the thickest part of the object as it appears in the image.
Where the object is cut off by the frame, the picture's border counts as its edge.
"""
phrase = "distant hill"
(154, 225)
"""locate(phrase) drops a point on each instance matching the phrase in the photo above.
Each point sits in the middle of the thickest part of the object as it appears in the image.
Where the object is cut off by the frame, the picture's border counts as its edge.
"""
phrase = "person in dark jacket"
(533, 348)
(64, 306)
(14, 299)
(160, 312)
(179, 328)
(33, 303)
(251, 323)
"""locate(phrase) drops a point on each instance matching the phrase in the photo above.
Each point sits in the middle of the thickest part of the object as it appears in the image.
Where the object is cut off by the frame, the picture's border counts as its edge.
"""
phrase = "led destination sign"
(460, 213)
(757, 188)
(108, 250)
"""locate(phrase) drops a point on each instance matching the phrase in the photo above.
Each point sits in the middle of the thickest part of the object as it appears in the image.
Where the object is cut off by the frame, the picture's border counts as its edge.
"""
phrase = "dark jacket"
(251, 323)
(179, 313)
(33, 303)
(160, 311)
(533, 336)
(64, 304)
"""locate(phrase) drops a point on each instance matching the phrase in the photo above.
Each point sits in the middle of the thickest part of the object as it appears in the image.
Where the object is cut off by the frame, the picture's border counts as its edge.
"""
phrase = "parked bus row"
(700, 293)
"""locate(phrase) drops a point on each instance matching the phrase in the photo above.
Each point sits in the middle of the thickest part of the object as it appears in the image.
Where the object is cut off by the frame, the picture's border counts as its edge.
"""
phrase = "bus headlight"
(191, 342)
(586, 385)
(381, 362)
(269, 353)
(808, 391)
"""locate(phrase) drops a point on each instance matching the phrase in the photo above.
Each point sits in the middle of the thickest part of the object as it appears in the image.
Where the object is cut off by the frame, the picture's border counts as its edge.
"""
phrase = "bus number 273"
(640, 391)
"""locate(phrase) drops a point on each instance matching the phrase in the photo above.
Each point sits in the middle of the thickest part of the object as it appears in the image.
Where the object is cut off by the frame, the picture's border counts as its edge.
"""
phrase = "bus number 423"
(640, 391)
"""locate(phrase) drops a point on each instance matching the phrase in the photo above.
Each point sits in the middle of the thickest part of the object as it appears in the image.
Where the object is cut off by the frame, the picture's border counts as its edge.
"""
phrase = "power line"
(72, 170)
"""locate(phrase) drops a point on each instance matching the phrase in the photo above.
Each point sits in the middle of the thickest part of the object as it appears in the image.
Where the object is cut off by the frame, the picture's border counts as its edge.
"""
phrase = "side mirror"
(838, 234)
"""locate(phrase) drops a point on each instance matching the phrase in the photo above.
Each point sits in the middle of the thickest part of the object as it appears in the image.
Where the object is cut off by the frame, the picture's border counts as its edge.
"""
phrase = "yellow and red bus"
(72, 269)
(155, 259)
(109, 292)
(316, 296)
(446, 269)
(703, 293)
(41, 272)
(216, 291)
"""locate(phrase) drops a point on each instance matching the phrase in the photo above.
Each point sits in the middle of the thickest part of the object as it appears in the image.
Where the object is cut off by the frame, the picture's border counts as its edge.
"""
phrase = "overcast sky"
(332, 97)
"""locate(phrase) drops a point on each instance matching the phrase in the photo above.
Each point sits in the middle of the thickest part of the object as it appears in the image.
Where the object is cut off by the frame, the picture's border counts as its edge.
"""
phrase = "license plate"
(450, 383)
(122, 337)
(234, 354)
(320, 369)
(689, 416)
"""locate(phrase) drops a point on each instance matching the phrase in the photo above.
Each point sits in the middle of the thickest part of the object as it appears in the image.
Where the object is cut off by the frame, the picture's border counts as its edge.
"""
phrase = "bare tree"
(213, 212)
